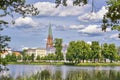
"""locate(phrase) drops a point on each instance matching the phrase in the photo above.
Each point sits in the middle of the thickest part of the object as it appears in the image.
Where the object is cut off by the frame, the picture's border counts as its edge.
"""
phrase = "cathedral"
(49, 44)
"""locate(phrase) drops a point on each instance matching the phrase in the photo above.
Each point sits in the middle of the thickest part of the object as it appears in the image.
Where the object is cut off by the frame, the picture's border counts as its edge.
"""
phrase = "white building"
(38, 51)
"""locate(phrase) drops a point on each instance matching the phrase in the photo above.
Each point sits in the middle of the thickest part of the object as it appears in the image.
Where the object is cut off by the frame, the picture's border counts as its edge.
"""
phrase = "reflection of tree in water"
(72, 75)
(94, 75)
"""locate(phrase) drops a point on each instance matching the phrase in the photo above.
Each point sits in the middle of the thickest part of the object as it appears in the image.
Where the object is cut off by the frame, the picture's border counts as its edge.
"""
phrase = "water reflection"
(64, 72)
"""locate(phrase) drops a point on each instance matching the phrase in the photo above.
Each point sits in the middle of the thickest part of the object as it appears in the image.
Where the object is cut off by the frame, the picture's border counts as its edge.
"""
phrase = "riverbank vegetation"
(77, 53)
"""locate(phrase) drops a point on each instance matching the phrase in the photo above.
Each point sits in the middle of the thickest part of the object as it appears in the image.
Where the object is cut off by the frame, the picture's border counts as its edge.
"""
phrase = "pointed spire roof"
(50, 31)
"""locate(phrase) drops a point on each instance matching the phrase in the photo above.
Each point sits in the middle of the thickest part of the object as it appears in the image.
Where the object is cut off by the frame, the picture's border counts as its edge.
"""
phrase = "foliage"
(95, 50)
(104, 51)
(11, 58)
(75, 2)
(50, 57)
(32, 57)
(80, 50)
(58, 47)
(38, 57)
(112, 52)
(70, 51)
(112, 17)
(4, 62)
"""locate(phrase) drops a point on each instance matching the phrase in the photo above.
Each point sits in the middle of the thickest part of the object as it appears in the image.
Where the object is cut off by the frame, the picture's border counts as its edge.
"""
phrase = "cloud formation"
(95, 16)
(91, 29)
(48, 8)
(27, 21)
(115, 36)
(77, 26)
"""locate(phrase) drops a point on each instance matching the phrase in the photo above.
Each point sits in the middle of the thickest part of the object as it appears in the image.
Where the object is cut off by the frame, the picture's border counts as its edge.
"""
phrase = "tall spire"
(49, 38)
(50, 31)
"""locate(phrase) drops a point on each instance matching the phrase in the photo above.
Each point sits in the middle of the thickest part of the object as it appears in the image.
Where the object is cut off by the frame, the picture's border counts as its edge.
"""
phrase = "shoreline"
(69, 64)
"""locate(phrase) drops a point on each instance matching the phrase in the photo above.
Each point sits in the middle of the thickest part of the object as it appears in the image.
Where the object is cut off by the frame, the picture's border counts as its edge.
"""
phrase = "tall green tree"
(24, 55)
(95, 50)
(70, 51)
(32, 57)
(58, 47)
(85, 51)
(104, 51)
(112, 51)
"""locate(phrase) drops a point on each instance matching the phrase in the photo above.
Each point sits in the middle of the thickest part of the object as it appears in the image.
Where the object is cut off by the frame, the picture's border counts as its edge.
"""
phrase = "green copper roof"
(50, 31)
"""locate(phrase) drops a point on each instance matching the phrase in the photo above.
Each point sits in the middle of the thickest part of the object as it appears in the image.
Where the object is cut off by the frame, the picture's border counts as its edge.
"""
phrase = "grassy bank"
(71, 64)
(38, 63)
(98, 64)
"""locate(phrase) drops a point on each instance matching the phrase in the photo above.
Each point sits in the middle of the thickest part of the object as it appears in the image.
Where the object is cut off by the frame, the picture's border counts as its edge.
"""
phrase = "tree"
(9, 8)
(104, 51)
(75, 2)
(58, 47)
(112, 17)
(24, 55)
(32, 57)
(112, 52)
(38, 57)
(95, 50)
(85, 51)
(118, 50)
(70, 51)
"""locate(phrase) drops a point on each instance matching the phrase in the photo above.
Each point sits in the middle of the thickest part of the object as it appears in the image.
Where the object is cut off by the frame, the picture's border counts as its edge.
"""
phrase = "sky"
(69, 23)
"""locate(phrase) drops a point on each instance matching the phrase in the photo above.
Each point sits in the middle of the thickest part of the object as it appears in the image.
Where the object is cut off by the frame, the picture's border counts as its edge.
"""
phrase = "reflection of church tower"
(49, 38)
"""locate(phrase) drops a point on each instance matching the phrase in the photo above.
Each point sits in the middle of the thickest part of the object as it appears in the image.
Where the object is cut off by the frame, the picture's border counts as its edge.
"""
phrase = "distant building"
(38, 51)
(41, 52)
(30, 51)
(6, 52)
(49, 45)
(17, 53)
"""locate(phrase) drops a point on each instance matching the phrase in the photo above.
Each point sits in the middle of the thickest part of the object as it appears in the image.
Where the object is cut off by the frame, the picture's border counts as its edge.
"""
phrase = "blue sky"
(69, 23)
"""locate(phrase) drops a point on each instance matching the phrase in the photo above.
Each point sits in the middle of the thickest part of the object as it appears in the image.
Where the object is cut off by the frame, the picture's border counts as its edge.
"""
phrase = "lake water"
(20, 70)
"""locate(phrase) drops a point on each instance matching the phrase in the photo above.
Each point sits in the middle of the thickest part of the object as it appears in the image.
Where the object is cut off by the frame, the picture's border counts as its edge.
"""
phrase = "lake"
(85, 72)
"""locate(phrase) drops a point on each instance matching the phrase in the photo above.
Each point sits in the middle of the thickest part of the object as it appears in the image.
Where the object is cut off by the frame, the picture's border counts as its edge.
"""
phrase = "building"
(6, 52)
(17, 53)
(41, 52)
(49, 45)
(37, 51)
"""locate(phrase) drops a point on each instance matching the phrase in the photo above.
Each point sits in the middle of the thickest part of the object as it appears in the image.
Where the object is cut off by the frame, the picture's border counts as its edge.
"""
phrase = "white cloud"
(91, 29)
(25, 21)
(77, 26)
(48, 8)
(114, 36)
(93, 16)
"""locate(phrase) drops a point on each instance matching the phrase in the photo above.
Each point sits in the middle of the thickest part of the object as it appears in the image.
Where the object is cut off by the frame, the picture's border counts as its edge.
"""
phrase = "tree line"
(81, 51)
(76, 52)
(94, 52)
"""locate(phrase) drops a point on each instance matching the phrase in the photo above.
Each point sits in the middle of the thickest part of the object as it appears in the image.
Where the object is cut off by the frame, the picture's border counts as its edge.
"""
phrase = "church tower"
(49, 43)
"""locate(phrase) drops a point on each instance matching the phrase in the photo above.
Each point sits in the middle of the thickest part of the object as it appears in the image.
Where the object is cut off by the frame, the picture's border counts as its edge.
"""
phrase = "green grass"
(98, 64)
(38, 63)
(72, 64)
